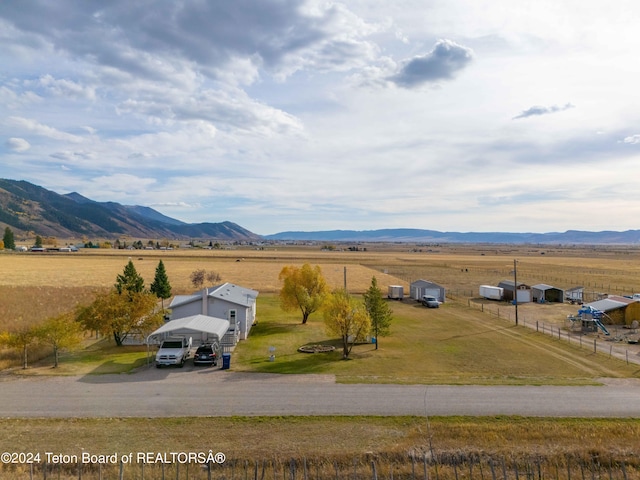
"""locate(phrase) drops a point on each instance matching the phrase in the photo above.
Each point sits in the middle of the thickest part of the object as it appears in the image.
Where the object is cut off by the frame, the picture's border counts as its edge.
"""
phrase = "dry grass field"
(34, 287)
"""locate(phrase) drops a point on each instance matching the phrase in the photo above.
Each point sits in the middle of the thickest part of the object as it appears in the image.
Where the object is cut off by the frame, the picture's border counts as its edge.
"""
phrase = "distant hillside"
(412, 235)
(25, 207)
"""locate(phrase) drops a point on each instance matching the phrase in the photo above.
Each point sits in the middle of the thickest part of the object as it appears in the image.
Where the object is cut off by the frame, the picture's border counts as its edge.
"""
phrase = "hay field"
(36, 286)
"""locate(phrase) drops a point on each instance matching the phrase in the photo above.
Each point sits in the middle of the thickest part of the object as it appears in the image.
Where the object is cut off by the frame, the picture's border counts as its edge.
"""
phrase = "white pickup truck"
(173, 351)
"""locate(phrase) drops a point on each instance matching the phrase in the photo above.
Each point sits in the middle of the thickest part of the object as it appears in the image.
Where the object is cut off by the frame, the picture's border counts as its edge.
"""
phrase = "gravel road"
(197, 391)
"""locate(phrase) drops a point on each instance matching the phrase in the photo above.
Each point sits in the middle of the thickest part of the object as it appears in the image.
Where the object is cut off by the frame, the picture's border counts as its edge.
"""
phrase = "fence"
(576, 338)
(444, 466)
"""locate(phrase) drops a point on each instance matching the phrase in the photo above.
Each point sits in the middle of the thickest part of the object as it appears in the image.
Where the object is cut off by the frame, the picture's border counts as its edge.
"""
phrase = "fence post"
(594, 346)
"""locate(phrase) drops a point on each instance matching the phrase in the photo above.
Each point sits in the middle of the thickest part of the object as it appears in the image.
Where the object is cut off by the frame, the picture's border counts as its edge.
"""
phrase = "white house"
(227, 301)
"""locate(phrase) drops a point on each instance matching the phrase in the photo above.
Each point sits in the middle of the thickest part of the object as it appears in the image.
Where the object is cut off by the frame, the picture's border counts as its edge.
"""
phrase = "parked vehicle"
(430, 301)
(173, 351)
(205, 355)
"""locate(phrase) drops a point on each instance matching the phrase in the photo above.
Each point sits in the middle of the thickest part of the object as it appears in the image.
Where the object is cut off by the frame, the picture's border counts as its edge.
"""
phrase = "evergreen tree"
(8, 239)
(130, 281)
(378, 310)
(160, 286)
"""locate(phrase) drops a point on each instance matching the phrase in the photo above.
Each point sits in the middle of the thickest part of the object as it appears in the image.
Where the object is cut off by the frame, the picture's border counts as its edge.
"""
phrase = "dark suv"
(205, 356)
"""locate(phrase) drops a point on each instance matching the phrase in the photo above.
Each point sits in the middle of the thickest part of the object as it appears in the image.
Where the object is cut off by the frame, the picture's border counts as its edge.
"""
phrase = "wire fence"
(572, 333)
(443, 466)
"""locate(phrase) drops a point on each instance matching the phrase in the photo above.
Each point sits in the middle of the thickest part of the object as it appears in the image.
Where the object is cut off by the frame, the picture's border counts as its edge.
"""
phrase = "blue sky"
(452, 115)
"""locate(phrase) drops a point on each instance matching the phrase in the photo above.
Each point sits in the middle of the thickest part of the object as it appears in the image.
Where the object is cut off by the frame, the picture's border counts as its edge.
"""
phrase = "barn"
(542, 293)
(524, 291)
(618, 310)
(425, 287)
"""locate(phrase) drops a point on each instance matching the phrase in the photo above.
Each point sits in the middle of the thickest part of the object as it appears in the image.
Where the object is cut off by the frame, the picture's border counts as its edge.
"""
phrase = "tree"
(38, 242)
(120, 315)
(8, 239)
(129, 280)
(20, 339)
(160, 285)
(378, 311)
(346, 317)
(304, 288)
(61, 333)
(199, 276)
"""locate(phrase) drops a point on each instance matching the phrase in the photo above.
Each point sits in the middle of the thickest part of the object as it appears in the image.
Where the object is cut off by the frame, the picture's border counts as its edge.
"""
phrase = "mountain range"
(28, 208)
(25, 207)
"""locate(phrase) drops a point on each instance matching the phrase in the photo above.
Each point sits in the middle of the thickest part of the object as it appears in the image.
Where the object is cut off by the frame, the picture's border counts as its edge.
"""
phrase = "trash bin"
(226, 361)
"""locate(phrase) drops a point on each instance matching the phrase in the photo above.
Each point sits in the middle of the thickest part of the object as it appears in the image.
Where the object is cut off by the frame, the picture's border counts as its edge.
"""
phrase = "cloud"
(17, 144)
(38, 128)
(539, 110)
(64, 88)
(442, 63)
(633, 139)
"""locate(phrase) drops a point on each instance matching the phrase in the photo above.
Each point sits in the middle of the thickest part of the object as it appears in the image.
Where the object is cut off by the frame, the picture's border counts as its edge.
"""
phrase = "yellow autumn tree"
(304, 288)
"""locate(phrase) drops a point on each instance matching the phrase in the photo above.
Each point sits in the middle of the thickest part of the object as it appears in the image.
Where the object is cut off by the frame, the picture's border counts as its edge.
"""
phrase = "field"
(457, 343)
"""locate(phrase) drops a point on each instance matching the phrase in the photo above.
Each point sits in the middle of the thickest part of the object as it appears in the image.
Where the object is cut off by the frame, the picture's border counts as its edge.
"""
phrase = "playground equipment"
(590, 314)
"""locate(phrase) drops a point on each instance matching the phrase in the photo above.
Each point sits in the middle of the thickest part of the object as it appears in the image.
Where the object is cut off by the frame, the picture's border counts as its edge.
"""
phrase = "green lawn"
(450, 345)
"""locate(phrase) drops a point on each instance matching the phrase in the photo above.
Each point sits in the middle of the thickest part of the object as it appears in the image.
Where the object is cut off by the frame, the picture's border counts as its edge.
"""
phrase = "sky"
(280, 115)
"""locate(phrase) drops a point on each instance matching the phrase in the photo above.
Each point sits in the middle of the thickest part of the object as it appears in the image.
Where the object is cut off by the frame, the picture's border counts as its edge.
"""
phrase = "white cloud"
(280, 115)
(540, 110)
(633, 139)
(17, 144)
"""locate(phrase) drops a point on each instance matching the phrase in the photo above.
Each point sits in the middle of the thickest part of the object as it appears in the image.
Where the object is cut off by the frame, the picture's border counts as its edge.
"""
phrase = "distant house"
(425, 287)
(575, 294)
(542, 293)
(227, 301)
(524, 291)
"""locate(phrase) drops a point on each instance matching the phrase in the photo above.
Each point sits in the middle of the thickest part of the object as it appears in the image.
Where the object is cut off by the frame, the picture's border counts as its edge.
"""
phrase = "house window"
(232, 317)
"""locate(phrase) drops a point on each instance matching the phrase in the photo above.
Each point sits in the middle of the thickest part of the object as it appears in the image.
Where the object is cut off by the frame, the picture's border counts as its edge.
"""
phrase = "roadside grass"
(340, 438)
(95, 358)
(454, 344)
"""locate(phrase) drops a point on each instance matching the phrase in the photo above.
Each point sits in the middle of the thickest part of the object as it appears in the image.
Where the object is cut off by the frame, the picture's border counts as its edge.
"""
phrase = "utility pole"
(515, 288)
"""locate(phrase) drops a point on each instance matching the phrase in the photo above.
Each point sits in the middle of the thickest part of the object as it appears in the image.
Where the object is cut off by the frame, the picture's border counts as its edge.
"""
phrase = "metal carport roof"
(193, 324)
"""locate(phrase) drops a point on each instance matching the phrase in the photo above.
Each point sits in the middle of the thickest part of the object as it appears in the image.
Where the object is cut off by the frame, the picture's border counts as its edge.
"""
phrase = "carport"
(201, 328)
(546, 293)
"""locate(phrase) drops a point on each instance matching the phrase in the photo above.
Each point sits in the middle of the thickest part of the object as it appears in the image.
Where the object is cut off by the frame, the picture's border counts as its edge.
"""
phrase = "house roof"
(193, 324)
(426, 283)
(574, 289)
(228, 292)
(606, 305)
(544, 286)
(234, 294)
(508, 284)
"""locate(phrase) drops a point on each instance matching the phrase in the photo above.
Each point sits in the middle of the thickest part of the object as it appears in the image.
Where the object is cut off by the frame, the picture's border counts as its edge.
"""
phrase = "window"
(232, 317)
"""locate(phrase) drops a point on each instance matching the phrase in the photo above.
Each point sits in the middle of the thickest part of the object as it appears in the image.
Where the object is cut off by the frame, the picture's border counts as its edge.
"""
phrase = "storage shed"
(524, 291)
(575, 294)
(425, 287)
(542, 293)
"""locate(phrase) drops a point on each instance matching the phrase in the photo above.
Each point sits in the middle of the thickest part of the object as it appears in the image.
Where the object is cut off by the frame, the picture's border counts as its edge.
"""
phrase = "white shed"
(419, 288)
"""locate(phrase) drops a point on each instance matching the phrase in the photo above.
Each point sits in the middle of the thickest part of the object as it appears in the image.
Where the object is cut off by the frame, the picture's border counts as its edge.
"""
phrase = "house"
(575, 294)
(524, 291)
(542, 293)
(425, 287)
(227, 301)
